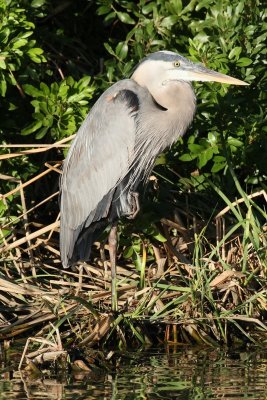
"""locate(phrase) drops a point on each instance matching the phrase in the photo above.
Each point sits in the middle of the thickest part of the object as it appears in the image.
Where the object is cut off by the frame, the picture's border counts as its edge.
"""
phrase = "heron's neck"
(175, 95)
(178, 98)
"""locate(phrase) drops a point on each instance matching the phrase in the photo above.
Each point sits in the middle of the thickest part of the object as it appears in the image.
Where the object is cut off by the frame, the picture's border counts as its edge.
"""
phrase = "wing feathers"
(98, 159)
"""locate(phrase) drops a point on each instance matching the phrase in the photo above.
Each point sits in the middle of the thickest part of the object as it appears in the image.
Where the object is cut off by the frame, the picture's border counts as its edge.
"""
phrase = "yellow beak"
(202, 74)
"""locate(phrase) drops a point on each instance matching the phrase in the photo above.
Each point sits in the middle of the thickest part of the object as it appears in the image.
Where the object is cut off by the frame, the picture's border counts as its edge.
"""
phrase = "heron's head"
(166, 66)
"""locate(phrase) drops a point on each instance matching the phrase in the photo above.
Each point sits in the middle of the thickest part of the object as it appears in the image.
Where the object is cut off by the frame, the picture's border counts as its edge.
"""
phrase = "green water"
(179, 374)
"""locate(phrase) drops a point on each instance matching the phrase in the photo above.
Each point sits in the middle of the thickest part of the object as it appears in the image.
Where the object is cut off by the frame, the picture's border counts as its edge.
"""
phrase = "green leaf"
(169, 21)
(201, 37)
(36, 55)
(42, 132)
(84, 82)
(4, 35)
(37, 3)
(62, 90)
(19, 43)
(2, 63)
(3, 4)
(177, 6)
(122, 50)
(239, 8)
(36, 50)
(24, 35)
(205, 156)
(125, 18)
(109, 49)
(159, 237)
(195, 148)
(128, 252)
(32, 90)
(203, 3)
(45, 89)
(3, 87)
(103, 10)
(48, 120)
(148, 8)
(219, 159)
(70, 81)
(31, 128)
(234, 142)
(76, 97)
(39, 116)
(212, 138)
(235, 52)
(244, 62)
(218, 167)
(161, 159)
(187, 157)
(110, 17)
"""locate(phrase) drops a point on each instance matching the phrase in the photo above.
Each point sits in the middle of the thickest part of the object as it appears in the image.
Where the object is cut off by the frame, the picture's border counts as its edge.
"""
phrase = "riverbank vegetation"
(192, 266)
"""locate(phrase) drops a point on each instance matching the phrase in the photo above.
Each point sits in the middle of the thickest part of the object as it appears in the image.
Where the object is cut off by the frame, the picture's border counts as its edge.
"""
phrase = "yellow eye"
(176, 63)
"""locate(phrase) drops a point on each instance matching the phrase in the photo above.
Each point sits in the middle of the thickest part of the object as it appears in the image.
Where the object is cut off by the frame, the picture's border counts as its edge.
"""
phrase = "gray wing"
(97, 161)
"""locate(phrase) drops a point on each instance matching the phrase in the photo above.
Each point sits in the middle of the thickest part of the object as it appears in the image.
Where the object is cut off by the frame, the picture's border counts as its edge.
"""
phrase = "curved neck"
(165, 113)
(179, 104)
(177, 97)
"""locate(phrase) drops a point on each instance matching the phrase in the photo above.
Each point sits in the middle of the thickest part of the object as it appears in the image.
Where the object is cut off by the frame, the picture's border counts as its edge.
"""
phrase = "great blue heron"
(116, 146)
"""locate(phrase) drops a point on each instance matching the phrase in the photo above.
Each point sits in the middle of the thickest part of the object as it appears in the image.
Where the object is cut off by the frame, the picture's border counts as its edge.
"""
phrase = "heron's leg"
(134, 199)
(112, 242)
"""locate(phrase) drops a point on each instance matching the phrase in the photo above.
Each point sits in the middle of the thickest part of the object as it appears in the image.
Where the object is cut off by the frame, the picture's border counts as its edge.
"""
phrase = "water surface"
(173, 374)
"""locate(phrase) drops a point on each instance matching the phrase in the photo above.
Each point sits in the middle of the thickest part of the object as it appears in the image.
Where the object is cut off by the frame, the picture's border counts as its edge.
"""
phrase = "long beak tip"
(233, 81)
(239, 82)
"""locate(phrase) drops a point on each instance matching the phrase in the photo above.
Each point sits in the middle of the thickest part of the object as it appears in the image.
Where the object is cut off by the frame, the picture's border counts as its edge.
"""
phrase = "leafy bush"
(18, 48)
(59, 109)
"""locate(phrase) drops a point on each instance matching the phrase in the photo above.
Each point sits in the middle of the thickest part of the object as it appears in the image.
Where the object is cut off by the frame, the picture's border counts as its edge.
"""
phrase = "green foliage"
(17, 47)
(208, 149)
(58, 109)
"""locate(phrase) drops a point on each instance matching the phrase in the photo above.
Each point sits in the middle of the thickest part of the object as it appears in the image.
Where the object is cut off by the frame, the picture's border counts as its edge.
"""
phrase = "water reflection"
(178, 374)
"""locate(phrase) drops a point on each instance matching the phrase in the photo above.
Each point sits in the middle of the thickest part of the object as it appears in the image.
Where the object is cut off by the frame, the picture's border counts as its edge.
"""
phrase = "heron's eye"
(176, 63)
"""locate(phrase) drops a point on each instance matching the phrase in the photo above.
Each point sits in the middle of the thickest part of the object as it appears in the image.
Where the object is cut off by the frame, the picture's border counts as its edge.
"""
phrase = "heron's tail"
(75, 244)
(85, 240)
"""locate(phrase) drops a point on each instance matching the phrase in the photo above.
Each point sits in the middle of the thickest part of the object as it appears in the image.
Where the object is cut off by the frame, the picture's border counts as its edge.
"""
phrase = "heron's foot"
(135, 206)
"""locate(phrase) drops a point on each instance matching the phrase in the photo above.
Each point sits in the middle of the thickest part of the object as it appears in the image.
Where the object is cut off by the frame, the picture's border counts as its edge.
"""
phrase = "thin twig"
(33, 235)
(38, 150)
(23, 185)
